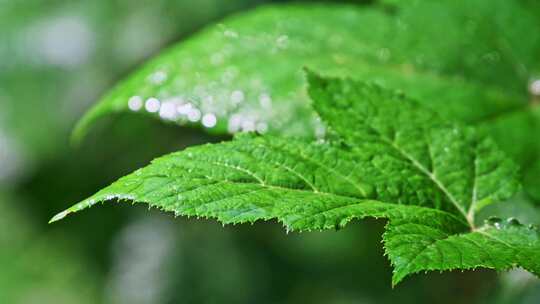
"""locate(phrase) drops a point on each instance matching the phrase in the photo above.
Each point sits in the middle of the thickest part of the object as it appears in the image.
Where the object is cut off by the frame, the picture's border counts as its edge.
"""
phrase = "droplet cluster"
(499, 223)
(183, 91)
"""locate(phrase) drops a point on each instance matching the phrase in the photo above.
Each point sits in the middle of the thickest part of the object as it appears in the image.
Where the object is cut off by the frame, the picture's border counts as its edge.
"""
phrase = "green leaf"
(245, 72)
(500, 245)
(478, 73)
(467, 170)
(379, 167)
(254, 178)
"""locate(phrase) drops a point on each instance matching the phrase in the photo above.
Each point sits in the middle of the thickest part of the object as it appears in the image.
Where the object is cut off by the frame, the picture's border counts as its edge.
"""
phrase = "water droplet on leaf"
(237, 97)
(494, 221)
(513, 221)
(194, 115)
(152, 105)
(209, 120)
(135, 103)
(534, 87)
(158, 77)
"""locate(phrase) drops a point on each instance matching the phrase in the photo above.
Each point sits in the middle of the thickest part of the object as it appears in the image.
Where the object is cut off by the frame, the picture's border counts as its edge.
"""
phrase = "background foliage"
(58, 57)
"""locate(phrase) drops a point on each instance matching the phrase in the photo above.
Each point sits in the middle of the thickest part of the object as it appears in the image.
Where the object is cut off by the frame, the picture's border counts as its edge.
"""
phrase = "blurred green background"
(56, 58)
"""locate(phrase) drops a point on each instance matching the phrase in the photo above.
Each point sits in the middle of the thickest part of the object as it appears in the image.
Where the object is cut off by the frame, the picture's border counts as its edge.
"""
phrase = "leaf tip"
(398, 276)
(59, 216)
(395, 281)
(80, 130)
(76, 138)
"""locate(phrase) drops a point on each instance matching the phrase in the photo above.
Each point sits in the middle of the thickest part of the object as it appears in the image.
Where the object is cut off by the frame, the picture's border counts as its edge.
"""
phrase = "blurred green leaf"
(516, 134)
(245, 71)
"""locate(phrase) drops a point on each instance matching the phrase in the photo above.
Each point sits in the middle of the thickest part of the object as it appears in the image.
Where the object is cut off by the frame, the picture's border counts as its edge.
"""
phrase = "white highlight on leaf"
(248, 126)
(158, 77)
(194, 115)
(168, 111)
(534, 87)
(135, 103)
(184, 109)
(209, 120)
(152, 105)
(237, 96)
(235, 123)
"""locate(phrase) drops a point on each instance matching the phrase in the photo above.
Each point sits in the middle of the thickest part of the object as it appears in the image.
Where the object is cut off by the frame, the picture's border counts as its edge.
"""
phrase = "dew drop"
(513, 221)
(194, 115)
(135, 103)
(235, 123)
(158, 77)
(184, 109)
(534, 87)
(152, 105)
(237, 97)
(248, 126)
(209, 120)
(282, 41)
(494, 221)
(168, 111)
